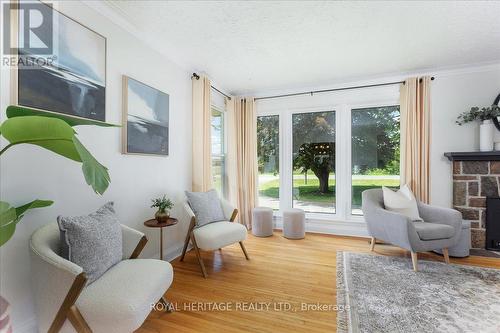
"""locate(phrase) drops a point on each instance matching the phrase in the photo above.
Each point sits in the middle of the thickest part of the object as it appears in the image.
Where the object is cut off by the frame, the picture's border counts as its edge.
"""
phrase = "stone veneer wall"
(473, 181)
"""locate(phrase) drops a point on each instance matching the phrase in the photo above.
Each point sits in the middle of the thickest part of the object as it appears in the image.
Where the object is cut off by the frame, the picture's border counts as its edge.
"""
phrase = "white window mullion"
(286, 165)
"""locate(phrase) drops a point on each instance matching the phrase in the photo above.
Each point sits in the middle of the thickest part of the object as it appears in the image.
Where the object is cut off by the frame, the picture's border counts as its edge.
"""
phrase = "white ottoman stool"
(294, 223)
(262, 222)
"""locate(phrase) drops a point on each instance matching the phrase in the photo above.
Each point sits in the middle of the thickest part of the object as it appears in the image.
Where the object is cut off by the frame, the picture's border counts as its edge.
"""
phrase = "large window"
(321, 158)
(218, 150)
(313, 172)
(268, 161)
(374, 150)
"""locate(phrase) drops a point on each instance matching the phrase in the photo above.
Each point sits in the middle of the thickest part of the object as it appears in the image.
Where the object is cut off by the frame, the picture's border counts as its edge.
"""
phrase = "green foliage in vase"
(54, 132)
(475, 113)
(162, 204)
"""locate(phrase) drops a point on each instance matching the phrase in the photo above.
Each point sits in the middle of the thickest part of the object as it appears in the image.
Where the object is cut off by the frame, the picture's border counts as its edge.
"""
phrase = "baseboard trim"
(341, 228)
(171, 253)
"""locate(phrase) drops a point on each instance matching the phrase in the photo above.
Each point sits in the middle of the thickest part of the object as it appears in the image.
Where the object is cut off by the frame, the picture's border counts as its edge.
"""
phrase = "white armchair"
(119, 301)
(214, 235)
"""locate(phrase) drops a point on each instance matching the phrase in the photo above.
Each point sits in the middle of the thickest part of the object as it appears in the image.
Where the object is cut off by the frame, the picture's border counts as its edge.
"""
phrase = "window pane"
(218, 158)
(268, 159)
(375, 150)
(314, 161)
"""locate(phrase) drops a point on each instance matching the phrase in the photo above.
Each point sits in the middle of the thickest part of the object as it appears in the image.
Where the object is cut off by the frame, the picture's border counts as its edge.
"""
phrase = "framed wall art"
(145, 119)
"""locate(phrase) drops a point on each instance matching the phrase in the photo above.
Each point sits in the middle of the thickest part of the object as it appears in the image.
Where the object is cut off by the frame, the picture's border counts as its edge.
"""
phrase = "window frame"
(343, 148)
(223, 155)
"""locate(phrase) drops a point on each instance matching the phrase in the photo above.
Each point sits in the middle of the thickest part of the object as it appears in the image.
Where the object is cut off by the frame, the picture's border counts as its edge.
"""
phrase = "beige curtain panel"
(202, 158)
(415, 135)
(242, 156)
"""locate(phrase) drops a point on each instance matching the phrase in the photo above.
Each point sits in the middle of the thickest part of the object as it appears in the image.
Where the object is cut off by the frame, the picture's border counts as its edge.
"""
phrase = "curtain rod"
(334, 89)
(197, 77)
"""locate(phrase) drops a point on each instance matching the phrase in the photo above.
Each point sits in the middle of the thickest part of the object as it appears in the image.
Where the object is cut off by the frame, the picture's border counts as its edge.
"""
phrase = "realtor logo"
(35, 24)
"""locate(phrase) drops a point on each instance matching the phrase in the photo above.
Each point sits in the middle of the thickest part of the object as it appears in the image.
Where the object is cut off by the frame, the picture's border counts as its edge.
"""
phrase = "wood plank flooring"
(280, 271)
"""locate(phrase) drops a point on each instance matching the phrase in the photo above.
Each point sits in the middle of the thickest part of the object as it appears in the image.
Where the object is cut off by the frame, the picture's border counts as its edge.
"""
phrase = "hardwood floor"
(279, 270)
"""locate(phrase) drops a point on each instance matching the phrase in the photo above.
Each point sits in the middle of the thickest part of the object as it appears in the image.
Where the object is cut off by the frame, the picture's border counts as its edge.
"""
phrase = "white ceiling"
(254, 46)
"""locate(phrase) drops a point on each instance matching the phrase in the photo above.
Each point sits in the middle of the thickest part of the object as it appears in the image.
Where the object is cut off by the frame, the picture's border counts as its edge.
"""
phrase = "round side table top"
(155, 224)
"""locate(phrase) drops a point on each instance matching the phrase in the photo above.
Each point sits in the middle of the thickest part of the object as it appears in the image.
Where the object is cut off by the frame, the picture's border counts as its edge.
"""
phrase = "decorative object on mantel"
(164, 205)
(486, 129)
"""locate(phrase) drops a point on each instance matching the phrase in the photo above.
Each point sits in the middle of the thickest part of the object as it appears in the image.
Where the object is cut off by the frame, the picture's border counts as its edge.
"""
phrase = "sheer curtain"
(415, 135)
(202, 157)
(242, 156)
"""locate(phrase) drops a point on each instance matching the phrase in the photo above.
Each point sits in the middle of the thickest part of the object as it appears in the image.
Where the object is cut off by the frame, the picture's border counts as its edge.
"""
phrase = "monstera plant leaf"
(54, 132)
(10, 217)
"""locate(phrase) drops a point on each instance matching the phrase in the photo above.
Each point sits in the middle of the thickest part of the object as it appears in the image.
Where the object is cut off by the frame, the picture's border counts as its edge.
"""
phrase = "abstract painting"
(146, 124)
(73, 79)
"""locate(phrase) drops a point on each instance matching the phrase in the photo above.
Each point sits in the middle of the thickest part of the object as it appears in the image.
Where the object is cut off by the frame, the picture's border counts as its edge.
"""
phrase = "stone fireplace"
(476, 176)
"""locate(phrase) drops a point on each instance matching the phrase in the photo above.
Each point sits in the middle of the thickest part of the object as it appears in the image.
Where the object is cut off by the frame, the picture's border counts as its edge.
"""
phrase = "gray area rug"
(384, 294)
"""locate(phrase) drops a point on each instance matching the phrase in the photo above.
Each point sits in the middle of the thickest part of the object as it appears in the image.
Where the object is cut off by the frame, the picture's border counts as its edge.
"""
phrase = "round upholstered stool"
(262, 222)
(294, 223)
(462, 248)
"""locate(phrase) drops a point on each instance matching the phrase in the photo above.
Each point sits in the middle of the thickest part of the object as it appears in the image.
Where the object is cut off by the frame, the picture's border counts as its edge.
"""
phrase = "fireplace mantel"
(474, 156)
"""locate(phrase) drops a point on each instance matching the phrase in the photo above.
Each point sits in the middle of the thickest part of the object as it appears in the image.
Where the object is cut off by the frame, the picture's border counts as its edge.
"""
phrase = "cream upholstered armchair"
(118, 301)
(214, 235)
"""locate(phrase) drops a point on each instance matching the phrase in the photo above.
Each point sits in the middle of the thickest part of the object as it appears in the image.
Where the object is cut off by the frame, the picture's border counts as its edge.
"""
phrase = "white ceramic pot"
(486, 131)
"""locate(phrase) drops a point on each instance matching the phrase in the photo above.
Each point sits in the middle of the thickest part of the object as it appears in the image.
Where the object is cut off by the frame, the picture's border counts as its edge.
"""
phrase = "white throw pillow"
(402, 202)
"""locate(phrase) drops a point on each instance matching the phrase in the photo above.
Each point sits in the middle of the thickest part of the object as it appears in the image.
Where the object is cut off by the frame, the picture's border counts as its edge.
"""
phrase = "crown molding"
(389, 77)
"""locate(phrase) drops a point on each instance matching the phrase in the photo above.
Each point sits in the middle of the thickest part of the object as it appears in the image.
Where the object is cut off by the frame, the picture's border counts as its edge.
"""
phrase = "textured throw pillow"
(206, 206)
(93, 242)
(402, 202)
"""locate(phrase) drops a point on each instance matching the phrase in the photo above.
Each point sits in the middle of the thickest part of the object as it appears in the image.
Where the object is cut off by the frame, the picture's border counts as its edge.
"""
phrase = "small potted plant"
(164, 205)
(486, 129)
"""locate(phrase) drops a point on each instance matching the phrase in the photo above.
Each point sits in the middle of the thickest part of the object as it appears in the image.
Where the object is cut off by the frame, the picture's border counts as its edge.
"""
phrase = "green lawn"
(310, 192)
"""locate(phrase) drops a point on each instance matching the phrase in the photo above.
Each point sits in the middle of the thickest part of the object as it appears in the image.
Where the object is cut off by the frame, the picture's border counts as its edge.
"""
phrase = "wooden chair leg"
(446, 256)
(188, 236)
(69, 301)
(414, 259)
(198, 255)
(244, 251)
(168, 306)
(372, 244)
(76, 319)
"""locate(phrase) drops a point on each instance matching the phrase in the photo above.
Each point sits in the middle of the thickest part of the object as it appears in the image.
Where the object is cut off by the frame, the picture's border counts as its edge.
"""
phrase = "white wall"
(29, 172)
(453, 93)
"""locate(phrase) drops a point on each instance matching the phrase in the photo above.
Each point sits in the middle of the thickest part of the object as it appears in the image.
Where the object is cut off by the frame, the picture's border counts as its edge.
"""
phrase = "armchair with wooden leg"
(440, 228)
(215, 235)
(118, 301)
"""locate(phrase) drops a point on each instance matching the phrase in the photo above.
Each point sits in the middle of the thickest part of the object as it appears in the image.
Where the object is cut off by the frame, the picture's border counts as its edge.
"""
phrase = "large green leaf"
(7, 213)
(6, 232)
(21, 111)
(50, 133)
(10, 216)
(95, 173)
(31, 205)
(57, 136)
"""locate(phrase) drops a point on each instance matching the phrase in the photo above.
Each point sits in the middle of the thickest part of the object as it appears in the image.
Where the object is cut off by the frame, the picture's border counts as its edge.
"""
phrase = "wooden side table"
(155, 224)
